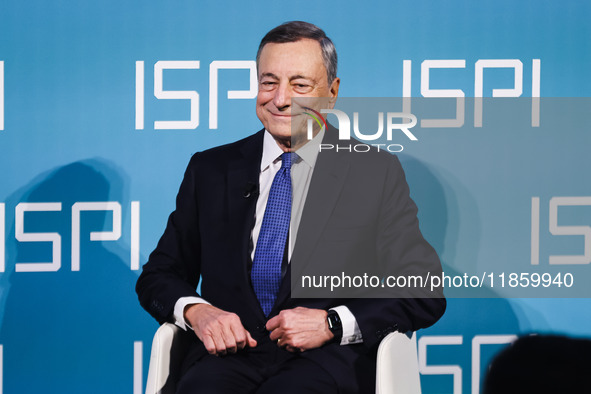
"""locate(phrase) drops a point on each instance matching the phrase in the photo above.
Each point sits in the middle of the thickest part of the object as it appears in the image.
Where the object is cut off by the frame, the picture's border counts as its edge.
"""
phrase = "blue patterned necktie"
(266, 267)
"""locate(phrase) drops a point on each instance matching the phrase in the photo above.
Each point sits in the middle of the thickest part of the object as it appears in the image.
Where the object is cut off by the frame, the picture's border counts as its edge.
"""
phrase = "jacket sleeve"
(173, 268)
(401, 251)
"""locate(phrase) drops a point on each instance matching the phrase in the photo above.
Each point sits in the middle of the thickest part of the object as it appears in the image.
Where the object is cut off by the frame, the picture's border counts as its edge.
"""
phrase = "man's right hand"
(221, 332)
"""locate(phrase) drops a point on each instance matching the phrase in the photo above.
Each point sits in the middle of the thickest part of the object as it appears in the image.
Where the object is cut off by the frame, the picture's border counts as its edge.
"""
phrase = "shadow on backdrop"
(72, 332)
(438, 196)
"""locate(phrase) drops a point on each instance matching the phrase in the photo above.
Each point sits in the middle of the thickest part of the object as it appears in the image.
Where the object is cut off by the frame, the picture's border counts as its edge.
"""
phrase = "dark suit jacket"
(358, 210)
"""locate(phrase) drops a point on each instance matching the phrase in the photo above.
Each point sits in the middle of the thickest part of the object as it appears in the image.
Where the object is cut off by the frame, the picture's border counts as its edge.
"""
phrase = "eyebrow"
(271, 75)
(300, 77)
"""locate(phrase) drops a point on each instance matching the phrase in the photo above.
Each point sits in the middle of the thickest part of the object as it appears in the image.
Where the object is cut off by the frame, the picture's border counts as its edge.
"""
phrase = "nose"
(282, 97)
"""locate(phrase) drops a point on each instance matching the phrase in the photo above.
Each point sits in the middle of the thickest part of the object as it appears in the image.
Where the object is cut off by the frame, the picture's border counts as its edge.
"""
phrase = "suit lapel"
(242, 185)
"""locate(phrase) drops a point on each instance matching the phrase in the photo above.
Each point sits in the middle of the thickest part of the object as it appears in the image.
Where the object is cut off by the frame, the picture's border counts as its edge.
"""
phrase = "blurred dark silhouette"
(541, 364)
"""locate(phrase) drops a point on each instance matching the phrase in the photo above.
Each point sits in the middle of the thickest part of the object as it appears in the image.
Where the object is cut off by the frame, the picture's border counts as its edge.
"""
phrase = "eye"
(267, 85)
(302, 87)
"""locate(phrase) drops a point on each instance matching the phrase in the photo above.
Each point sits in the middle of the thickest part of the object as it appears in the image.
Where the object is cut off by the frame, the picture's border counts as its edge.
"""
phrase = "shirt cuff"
(179, 309)
(351, 331)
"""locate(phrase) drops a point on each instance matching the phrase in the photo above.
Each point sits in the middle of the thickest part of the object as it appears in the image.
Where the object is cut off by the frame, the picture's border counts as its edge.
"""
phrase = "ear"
(334, 91)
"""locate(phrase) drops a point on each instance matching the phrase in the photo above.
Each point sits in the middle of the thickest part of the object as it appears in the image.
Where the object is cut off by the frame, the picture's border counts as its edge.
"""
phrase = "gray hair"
(298, 30)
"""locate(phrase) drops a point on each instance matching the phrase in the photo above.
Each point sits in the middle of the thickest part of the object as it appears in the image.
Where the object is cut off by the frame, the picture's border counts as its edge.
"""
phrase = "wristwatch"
(335, 325)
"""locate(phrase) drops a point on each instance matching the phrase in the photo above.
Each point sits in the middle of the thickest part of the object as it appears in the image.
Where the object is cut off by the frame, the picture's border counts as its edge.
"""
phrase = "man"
(250, 335)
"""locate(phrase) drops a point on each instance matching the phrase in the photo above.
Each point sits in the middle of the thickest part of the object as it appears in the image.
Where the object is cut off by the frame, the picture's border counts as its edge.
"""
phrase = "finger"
(229, 342)
(218, 339)
(275, 334)
(273, 323)
(293, 349)
(209, 344)
(209, 334)
(240, 336)
(250, 340)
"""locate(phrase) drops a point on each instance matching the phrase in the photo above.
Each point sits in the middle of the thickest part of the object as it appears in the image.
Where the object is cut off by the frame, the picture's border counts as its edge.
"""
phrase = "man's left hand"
(300, 329)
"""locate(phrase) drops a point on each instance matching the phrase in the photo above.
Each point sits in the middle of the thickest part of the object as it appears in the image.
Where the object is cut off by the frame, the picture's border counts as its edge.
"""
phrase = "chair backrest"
(397, 369)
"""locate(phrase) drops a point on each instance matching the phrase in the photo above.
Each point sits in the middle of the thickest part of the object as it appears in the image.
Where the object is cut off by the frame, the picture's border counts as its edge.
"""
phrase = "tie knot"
(287, 159)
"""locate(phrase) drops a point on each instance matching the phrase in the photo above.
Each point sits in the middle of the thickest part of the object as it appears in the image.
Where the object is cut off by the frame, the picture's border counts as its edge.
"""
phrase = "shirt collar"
(307, 153)
(271, 151)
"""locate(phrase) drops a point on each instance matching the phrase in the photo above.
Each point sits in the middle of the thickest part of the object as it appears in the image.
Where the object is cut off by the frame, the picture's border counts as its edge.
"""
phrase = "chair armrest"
(397, 364)
(168, 349)
(397, 368)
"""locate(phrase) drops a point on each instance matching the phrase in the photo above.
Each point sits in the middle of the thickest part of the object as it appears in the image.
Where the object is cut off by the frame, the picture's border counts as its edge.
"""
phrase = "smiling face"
(286, 71)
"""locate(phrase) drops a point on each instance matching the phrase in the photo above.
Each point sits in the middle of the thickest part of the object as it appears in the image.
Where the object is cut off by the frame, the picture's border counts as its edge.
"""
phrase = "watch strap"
(335, 325)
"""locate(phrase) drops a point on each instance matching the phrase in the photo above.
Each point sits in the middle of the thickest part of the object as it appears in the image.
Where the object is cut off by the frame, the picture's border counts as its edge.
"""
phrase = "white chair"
(397, 364)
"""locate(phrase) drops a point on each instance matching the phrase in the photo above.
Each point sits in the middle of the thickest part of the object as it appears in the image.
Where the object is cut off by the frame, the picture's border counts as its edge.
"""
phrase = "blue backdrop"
(103, 103)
